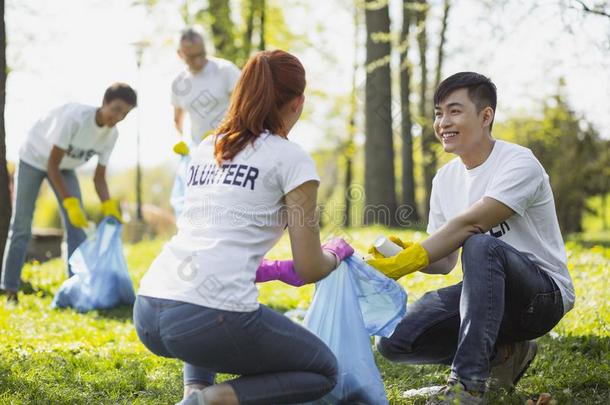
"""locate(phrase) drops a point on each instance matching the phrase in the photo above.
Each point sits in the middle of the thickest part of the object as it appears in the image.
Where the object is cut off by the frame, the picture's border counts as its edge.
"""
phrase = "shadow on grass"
(573, 369)
(120, 313)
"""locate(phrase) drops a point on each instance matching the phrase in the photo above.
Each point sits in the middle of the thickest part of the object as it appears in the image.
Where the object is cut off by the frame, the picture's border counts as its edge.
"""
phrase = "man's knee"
(479, 242)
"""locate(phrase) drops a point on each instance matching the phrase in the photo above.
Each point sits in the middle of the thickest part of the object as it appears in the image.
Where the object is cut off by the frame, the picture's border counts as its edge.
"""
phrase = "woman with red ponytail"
(198, 302)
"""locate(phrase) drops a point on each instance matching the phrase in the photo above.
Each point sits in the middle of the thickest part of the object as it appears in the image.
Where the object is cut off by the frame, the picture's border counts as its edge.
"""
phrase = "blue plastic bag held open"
(351, 304)
(100, 279)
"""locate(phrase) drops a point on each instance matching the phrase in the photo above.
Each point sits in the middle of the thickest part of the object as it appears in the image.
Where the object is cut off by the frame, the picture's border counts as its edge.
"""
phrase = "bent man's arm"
(479, 218)
(101, 186)
(179, 119)
(57, 154)
(442, 266)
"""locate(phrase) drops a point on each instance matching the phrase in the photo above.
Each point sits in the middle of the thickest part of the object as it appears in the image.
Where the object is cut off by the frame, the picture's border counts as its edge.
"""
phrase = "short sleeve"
(63, 130)
(232, 73)
(296, 168)
(436, 218)
(107, 150)
(516, 184)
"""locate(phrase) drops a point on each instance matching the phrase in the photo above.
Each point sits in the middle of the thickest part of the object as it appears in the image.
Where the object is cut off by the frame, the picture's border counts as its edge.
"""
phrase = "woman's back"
(233, 215)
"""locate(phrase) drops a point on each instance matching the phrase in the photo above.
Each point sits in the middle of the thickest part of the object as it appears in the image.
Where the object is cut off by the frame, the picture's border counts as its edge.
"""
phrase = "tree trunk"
(349, 147)
(222, 29)
(409, 206)
(440, 56)
(261, 44)
(427, 135)
(5, 198)
(251, 7)
(379, 151)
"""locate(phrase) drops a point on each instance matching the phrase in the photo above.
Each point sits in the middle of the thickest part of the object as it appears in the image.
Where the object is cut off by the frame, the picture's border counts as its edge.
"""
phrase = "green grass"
(60, 356)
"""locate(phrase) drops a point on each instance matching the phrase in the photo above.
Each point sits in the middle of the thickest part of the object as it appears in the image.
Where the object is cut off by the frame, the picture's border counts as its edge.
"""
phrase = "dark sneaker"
(515, 361)
(455, 393)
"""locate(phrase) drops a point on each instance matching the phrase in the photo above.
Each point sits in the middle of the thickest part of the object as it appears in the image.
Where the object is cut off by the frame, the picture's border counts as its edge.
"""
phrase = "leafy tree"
(572, 153)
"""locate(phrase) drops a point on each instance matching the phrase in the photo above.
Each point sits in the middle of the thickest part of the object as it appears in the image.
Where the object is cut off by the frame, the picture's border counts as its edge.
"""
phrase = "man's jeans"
(503, 298)
(279, 361)
(28, 184)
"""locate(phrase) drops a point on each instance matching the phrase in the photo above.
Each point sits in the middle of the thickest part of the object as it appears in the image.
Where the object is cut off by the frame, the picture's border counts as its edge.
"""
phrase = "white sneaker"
(455, 393)
(423, 392)
(194, 398)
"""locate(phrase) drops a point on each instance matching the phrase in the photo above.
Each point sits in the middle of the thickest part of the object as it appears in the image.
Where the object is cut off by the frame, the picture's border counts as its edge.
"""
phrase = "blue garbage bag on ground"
(351, 304)
(176, 198)
(101, 279)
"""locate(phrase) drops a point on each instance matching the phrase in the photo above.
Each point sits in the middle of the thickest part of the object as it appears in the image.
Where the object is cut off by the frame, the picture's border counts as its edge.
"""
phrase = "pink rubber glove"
(282, 270)
(339, 248)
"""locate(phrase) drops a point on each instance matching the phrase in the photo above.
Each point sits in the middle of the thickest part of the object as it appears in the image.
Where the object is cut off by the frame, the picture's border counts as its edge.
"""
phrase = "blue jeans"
(279, 361)
(28, 184)
(503, 298)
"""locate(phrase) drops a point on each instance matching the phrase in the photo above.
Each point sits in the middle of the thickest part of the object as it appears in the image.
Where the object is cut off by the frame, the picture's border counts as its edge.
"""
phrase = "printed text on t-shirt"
(81, 154)
(230, 174)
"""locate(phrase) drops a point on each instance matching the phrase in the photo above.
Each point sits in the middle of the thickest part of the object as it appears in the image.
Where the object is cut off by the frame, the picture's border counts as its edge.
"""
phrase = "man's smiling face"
(458, 124)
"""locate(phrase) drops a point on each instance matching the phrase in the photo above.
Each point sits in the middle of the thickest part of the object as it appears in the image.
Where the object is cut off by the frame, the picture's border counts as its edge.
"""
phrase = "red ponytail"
(269, 80)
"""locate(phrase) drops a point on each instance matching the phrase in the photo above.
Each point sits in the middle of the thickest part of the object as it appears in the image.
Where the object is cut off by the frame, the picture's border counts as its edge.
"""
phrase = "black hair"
(190, 34)
(481, 90)
(121, 91)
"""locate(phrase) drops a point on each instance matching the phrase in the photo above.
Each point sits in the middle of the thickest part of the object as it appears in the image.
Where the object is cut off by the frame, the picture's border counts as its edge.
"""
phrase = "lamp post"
(139, 47)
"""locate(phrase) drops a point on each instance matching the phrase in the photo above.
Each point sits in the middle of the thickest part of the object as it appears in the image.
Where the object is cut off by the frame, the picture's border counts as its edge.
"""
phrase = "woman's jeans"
(278, 360)
(28, 184)
(503, 298)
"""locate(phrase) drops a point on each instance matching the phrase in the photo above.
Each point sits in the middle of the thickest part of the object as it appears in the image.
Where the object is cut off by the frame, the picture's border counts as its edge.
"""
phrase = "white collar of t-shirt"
(474, 172)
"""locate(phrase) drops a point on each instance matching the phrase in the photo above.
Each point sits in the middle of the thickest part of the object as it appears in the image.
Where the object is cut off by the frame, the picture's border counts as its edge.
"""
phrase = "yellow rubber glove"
(410, 260)
(76, 216)
(110, 208)
(181, 148)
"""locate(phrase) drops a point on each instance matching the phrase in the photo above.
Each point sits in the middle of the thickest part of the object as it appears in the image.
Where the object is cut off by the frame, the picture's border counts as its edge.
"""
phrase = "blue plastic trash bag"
(351, 304)
(176, 199)
(100, 279)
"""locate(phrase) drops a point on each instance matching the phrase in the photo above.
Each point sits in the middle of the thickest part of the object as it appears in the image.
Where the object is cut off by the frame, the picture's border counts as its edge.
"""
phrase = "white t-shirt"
(71, 127)
(512, 175)
(205, 94)
(232, 216)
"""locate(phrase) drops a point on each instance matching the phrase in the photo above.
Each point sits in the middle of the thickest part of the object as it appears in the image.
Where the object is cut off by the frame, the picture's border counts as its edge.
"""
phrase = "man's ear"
(488, 116)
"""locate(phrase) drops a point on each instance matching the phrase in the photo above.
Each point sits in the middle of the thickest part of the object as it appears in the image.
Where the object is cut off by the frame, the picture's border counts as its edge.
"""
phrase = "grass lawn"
(60, 356)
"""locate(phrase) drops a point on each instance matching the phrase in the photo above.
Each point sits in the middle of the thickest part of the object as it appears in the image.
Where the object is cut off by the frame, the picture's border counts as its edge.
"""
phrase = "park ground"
(63, 357)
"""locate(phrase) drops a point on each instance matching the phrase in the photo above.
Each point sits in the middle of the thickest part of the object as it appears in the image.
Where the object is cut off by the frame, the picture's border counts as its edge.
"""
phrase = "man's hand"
(110, 208)
(181, 148)
(410, 260)
(76, 216)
